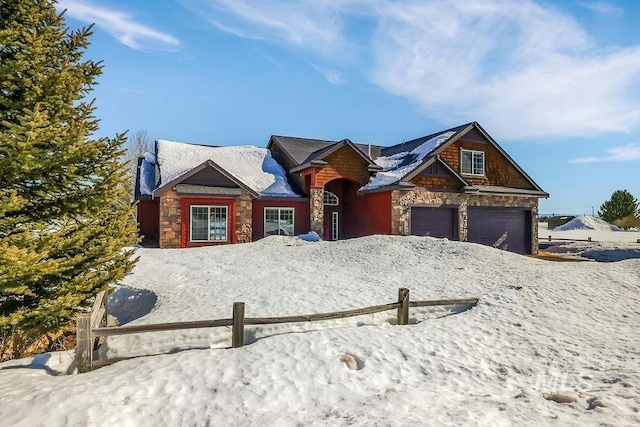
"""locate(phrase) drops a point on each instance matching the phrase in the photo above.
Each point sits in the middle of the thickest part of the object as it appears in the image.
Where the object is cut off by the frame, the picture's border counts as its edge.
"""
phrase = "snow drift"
(587, 223)
(540, 329)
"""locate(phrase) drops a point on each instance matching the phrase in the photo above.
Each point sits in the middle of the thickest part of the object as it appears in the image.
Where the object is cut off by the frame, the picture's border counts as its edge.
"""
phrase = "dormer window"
(472, 162)
(330, 199)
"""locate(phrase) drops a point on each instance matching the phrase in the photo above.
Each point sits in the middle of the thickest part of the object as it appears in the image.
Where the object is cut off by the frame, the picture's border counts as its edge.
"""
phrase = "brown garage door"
(503, 228)
(435, 222)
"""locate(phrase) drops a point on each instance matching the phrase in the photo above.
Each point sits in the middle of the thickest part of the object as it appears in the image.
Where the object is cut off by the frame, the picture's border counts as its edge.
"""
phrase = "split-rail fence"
(93, 325)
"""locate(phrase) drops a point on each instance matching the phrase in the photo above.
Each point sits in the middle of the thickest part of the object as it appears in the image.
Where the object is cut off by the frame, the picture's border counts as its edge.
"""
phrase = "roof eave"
(335, 147)
(400, 185)
(430, 161)
(207, 163)
(470, 189)
(359, 151)
(451, 140)
(274, 139)
(311, 164)
(296, 198)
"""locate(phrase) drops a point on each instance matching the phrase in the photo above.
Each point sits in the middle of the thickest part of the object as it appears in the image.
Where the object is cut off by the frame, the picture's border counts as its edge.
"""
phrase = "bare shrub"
(629, 221)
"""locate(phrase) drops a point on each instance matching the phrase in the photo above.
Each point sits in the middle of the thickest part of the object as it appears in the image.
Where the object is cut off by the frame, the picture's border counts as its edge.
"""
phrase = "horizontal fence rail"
(92, 325)
(589, 239)
(432, 303)
(321, 316)
(159, 327)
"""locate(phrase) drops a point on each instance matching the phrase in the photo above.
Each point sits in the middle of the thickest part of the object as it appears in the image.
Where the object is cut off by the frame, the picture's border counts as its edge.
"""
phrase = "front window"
(330, 199)
(334, 226)
(208, 223)
(278, 221)
(472, 162)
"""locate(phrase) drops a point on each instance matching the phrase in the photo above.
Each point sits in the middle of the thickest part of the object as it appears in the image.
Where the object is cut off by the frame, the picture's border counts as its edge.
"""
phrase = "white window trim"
(473, 152)
(279, 208)
(226, 209)
(334, 225)
(337, 199)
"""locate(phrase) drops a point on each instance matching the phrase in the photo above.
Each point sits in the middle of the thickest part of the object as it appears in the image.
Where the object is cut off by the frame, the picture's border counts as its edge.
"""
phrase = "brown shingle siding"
(498, 170)
(344, 163)
(435, 182)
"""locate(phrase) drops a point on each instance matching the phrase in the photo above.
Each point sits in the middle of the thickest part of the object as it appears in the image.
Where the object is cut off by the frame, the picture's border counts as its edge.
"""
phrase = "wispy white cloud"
(523, 69)
(601, 7)
(331, 75)
(625, 153)
(315, 26)
(120, 25)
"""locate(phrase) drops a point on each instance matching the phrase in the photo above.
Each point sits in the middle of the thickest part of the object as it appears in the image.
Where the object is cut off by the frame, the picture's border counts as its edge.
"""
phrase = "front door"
(331, 223)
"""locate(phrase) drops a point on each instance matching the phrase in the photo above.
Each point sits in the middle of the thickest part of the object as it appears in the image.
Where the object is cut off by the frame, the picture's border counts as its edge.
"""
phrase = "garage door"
(503, 228)
(434, 222)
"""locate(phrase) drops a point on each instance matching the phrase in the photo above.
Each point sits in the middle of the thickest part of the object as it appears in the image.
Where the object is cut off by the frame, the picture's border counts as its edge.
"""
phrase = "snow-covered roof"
(147, 174)
(398, 165)
(252, 166)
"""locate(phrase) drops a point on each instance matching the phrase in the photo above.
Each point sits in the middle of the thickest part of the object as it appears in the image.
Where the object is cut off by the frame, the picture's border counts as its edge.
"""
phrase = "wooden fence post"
(105, 317)
(403, 310)
(237, 329)
(84, 344)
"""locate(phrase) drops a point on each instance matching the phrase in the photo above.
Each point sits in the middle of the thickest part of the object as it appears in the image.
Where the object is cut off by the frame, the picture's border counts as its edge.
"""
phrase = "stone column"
(534, 228)
(170, 225)
(244, 208)
(463, 221)
(316, 210)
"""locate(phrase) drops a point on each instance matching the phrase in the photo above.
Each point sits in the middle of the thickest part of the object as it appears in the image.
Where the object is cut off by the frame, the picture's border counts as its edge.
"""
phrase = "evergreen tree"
(61, 232)
(621, 204)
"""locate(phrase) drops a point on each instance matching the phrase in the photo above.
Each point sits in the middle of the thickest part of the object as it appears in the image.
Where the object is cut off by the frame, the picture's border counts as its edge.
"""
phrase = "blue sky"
(556, 83)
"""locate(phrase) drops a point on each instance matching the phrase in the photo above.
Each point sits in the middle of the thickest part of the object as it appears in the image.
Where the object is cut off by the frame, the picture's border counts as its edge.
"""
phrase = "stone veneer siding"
(402, 200)
(171, 219)
(244, 218)
(170, 225)
(316, 210)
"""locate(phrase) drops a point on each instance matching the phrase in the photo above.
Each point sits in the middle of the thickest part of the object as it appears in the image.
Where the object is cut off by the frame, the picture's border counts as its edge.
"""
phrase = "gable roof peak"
(249, 166)
(305, 150)
(408, 146)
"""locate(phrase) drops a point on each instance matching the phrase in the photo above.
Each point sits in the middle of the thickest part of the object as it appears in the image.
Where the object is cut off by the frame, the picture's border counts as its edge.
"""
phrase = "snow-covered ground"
(540, 328)
(585, 227)
(608, 242)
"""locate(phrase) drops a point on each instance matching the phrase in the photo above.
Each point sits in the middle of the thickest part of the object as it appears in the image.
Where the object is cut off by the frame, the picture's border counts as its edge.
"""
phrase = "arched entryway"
(342, 210)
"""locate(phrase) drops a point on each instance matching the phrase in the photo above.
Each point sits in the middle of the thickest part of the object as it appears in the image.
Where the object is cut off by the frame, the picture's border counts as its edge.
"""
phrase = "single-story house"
(457, 184)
